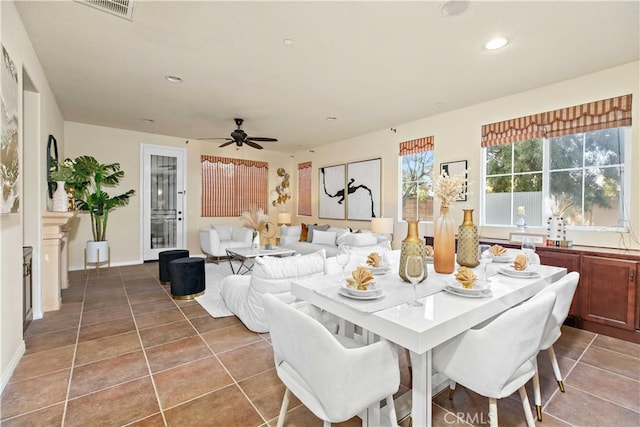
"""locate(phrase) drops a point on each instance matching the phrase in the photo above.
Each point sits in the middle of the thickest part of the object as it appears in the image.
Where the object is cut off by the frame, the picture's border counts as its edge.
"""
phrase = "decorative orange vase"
(444, 243)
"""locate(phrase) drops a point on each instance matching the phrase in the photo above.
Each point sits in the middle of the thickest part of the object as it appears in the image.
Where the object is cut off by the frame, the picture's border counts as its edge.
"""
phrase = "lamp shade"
(382, 225)
(284, 218)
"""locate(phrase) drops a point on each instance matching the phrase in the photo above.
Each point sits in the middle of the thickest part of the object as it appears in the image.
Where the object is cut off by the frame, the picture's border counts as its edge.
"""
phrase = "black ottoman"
(187, 278)
(164, 258)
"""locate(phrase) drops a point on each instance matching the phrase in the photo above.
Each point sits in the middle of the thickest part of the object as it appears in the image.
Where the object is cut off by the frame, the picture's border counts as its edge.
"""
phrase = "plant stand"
(98, 263)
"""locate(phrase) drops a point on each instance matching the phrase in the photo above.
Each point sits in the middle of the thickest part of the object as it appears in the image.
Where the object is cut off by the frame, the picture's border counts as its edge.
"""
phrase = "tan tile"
(51, 340)
(618, 389)
(36, 393)
(51, 416)
(570, 346)
(583, 409)
(619, 346)
(148, 307)
(107, 372)
(134, 282)
(105, 315)
(148, 296)
(189, 381)
(265, 391)
(613, 362)
(232, 409)
(106, 329)
(134, 401)
(43, 325)
(108, 302)
(249, 360)
(193, 310)
(176, 353)
(140, 288)
(228, 338)
(166, 333)
(207, 323)
(104, 348)
(154, 420)
(156, 318)
(43, 362)
(302, 416)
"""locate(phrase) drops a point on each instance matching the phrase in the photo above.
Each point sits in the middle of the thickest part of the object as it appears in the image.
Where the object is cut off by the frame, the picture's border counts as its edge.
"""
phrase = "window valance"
(414, 146)
(603, 114)
(229, 160)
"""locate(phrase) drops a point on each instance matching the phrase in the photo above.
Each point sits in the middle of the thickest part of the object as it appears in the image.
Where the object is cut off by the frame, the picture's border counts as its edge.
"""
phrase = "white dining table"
(420, 329)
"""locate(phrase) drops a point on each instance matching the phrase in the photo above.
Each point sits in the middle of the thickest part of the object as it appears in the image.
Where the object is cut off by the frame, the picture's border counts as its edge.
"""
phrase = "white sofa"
(216, 239)
(243, 294)
(328, 238)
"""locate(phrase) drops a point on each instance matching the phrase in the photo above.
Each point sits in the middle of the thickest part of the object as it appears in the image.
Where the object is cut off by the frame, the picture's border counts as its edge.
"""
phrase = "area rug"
(212, 298)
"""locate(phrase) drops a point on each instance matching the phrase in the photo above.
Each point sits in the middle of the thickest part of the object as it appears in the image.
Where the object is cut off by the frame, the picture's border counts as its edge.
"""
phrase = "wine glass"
(485, 260)
(529, 248)
(342, 257)
(414, 271)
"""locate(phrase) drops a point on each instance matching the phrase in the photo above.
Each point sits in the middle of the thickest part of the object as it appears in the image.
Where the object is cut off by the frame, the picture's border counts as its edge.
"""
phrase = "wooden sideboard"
(607, 300)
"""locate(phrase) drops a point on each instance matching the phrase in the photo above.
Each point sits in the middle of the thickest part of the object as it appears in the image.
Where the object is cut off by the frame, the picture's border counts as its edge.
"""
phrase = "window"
(230, 186)
(416, 157)
(570, 160)
(304, 188)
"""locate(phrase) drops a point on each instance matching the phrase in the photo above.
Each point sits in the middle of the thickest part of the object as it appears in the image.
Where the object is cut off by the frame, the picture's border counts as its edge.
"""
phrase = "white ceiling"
(372, 65)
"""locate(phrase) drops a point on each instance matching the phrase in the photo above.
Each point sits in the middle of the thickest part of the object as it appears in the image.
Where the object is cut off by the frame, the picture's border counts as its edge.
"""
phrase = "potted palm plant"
(88, 182)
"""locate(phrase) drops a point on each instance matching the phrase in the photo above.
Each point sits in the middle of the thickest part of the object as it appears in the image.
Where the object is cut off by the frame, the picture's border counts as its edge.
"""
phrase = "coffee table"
(247, 255)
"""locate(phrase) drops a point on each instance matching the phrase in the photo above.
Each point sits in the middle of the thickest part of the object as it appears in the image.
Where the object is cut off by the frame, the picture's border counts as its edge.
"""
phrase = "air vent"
(121, 8)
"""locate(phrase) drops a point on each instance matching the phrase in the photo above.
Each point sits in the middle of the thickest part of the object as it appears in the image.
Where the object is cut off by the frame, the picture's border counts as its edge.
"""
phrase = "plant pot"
(97, 251)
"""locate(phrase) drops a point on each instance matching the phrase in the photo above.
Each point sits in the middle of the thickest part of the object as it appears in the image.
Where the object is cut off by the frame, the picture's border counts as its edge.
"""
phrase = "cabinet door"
(571, 263)
(608, 291)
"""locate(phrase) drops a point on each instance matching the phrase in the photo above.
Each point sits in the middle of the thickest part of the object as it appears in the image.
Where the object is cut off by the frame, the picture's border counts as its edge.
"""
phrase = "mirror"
(52, 156)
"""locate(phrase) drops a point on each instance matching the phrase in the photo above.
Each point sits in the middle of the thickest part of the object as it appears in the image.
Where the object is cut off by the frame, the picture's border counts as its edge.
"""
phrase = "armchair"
(215, 240)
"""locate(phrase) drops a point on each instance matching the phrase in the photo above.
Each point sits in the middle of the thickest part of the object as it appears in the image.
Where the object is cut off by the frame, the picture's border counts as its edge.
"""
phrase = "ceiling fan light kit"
(240, 137)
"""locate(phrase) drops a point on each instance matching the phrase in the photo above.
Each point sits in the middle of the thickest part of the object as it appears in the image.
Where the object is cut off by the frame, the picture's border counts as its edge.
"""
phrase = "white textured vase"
(60, 198)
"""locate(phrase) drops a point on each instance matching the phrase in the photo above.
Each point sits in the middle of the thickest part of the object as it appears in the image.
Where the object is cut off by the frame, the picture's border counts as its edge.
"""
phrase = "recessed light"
(497, 43)
(148, 120)
(453, 7)
(331, 118)
(173, 79)
(439, 104)
(287, 42)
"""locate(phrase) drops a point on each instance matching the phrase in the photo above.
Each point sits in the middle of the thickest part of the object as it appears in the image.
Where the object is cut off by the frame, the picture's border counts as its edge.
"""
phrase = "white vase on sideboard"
(60, 198)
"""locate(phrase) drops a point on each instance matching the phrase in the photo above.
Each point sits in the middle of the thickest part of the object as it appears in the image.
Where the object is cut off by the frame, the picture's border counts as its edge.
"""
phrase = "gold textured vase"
(468, 241)
(411, 245)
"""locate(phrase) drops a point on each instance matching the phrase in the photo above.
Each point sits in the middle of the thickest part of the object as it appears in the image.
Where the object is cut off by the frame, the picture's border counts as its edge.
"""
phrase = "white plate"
(457, 286)
(502, 258)
(372, 289)
(382, 269)
(511, 272)
(378, 294)
(454, 291)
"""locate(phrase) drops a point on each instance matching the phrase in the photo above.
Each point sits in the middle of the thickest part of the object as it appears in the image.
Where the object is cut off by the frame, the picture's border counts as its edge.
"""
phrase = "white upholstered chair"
(498, 358)
(331, 375)
(563, 289)
(215, 240)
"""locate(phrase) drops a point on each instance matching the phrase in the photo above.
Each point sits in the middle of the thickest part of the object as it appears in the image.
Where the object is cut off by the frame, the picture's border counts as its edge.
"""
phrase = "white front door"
(163, 208)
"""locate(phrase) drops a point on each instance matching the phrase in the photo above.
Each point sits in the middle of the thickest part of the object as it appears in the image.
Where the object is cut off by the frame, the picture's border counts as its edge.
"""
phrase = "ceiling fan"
(240, 137)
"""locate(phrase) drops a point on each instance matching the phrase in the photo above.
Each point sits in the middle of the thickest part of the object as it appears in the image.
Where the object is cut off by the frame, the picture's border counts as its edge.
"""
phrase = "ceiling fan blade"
(226, 143)
(253, 144)
(259, 138)
(206, 139)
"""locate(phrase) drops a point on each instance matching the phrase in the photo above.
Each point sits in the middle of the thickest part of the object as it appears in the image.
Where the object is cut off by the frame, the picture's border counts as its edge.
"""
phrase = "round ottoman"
(164, 258)
(187, 277)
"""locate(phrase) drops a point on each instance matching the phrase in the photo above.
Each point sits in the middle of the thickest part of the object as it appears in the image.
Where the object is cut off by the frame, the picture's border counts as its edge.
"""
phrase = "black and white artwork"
(9, 142)
(363, 190)
(331, 194)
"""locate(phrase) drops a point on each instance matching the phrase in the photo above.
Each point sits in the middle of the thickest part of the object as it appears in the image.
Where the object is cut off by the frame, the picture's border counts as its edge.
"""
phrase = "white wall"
(110, 145)
(12, 227)
(457, 137)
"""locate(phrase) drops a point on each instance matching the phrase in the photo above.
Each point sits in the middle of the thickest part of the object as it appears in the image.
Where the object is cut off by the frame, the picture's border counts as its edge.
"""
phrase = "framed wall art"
(363, 190)
(331, 192)
(9, 143)
(456, 168)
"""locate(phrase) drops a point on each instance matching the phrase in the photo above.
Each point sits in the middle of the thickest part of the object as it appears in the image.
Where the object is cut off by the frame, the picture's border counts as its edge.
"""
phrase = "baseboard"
(113, 264)
(13, 364)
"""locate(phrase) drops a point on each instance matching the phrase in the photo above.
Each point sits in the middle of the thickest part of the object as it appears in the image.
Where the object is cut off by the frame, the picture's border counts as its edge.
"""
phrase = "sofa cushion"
(270, 275)
(324, 237)
(311, 229)
(224, 231)
(361, 239)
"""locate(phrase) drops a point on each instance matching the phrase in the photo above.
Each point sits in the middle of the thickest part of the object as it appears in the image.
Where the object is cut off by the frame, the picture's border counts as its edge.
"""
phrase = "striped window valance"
(304, 188)
(230, 186)
(415, 146)
(603, 114)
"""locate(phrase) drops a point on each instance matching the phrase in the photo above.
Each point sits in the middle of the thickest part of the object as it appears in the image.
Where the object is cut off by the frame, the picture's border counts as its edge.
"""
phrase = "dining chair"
(563, 289)
(335, 377)
(498, 358)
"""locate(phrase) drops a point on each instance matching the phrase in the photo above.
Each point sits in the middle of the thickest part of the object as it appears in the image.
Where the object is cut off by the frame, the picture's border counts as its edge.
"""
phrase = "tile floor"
(122, 352)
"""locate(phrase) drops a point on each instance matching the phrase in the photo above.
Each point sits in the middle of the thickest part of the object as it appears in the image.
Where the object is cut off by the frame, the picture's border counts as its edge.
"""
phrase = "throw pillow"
(342, 237)
(304, 233)
(311, 228)
(362, 239)
(223, 230)
(324, 237)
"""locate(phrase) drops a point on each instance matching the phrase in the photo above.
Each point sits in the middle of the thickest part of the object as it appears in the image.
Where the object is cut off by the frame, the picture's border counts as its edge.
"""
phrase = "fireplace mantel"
(55, 257)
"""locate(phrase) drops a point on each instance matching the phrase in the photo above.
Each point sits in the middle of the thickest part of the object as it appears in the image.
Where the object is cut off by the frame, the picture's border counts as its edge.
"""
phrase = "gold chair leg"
(539, 412)
(561, 385)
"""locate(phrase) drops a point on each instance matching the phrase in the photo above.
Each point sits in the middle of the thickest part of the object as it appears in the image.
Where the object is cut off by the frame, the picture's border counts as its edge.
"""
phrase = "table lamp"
(382, 226)
(284, 218)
